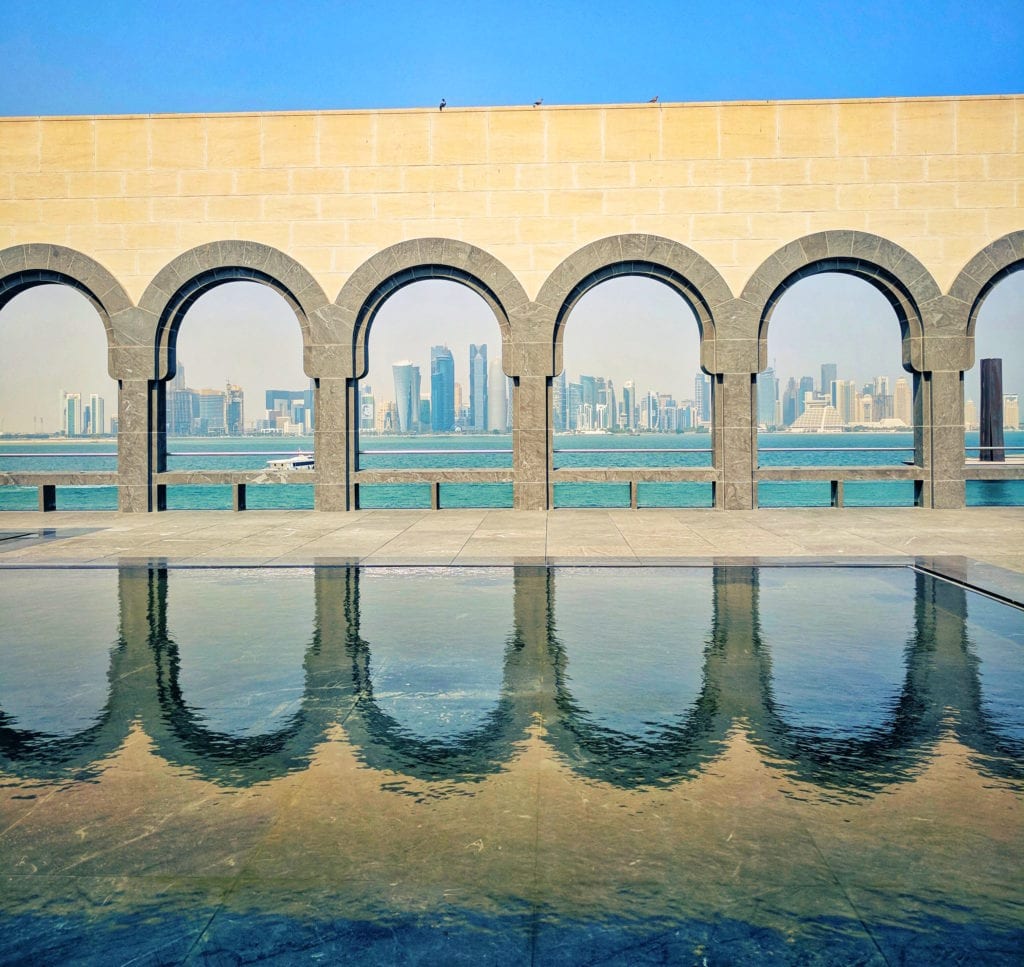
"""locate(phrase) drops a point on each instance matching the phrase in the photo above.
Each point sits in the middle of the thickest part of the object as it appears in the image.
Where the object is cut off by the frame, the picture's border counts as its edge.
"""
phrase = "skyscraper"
(477, 387)
(702, 396)
(98, 418)
(767, 394)
(844, 399)
(1011, 412)
(790, 405)
(629, 403)
(902, 407)
(71, 410)
(234, 410)
(442, 389)
(497, 405)
(828, 377)
(407, 395)
(367, 408)
(212, 412)
(806, 386)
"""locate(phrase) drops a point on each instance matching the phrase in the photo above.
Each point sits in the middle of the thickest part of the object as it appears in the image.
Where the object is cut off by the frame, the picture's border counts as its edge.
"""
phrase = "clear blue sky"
(225, 55)
(142, 57)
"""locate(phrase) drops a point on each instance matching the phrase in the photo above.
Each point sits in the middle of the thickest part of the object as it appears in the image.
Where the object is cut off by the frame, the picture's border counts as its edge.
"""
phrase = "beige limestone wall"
(941, 177)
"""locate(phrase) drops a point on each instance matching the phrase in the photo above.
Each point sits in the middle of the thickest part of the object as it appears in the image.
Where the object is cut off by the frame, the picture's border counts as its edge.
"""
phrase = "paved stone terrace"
(990, 535)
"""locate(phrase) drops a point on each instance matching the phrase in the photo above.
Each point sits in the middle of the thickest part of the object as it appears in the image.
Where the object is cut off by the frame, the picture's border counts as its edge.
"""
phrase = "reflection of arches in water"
(665, 752)
(185, 737)
(384, 743)
(940, 693)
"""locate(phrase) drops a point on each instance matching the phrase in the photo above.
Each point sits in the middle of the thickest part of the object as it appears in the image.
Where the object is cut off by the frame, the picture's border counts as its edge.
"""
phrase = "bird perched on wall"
(653, 100)
(538, 102)
(442, 105)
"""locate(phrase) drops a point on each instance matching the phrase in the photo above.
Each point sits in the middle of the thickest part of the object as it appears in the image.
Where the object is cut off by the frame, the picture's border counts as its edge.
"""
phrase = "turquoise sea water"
(494, 452)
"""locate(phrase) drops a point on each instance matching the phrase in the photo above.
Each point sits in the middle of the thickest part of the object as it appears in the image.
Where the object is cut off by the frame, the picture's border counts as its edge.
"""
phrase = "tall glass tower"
(477, 387)
(828, 377)
(767, 394)
(442, 389)
(407, 395)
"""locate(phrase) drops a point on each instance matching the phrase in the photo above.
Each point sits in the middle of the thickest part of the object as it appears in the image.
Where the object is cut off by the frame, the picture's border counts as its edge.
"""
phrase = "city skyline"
(245, 334)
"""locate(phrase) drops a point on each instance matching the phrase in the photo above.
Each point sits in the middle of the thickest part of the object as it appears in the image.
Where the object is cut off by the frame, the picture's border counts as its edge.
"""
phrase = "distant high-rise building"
(790, 409)
(424, 412)
(71, 409)
(575, 402)
(702, 396)
(588, 391)
(212, 412)
(182, 412)
(442, 389)
(882, 401)
(970, 415)
(97, 413)
(292, 405)
(234, 410)
(461, 409)
(828, 377)
(406, 396)
(497, 404)
(559, 402)
(629, 404)
(767, 394)
(1011, 412)
(806, 386)
(477, 387)
(367, 408)
(612, 408)
(902, 405)
(844, 399)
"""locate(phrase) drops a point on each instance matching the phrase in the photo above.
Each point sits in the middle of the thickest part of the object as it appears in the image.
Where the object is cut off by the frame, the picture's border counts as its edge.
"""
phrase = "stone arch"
(180, 283)
(680, 268)
(24, 267)
(899, 276)
(383, 274)
(982, 273)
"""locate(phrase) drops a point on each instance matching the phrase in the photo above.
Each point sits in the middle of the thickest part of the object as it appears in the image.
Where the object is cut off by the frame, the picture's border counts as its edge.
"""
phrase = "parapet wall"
(939, 177)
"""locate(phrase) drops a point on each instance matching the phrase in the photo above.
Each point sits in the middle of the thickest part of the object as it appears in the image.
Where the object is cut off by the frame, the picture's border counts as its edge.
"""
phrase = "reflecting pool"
(614, 765)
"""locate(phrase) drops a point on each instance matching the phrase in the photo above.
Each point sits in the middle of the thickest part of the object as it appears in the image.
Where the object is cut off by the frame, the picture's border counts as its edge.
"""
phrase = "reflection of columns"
(141, 446)
(334, 439)
(942, 675)
(142, 598)
(734, 444)
(531, 442)
(736, 668)
(529, 679)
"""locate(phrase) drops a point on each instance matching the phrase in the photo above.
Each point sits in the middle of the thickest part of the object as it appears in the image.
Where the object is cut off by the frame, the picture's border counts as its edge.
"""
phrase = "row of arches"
(937, 331)
(931, 688)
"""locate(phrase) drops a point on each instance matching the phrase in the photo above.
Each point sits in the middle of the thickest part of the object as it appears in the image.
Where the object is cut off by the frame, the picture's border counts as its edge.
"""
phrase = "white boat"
(301, 461)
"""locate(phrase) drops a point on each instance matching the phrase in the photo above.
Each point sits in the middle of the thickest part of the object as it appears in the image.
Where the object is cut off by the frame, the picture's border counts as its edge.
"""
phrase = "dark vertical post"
(47, 498)
(992, 410)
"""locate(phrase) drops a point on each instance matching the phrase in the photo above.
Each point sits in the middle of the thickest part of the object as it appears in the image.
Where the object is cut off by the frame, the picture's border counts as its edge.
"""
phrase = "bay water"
(494, 451)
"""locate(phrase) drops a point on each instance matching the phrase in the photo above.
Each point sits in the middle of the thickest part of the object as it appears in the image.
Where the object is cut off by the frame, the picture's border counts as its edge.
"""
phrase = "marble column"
(334, 441)
(944, 430)
(141, 447)
(735, 443)
(531, 442)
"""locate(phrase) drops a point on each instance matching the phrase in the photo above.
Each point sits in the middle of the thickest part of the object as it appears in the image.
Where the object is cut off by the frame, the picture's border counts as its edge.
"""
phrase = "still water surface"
(728, 765)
